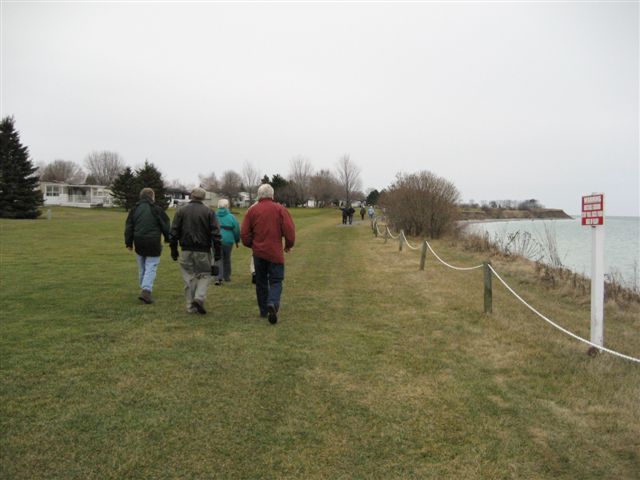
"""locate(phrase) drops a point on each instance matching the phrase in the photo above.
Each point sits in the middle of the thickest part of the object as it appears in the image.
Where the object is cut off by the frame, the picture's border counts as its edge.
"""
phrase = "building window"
(53, 191)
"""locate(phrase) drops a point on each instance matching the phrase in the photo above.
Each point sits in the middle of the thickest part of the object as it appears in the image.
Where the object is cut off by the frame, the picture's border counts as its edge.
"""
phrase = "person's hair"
(223, 203)
(148, 193)
(198, 193)
(265, 191)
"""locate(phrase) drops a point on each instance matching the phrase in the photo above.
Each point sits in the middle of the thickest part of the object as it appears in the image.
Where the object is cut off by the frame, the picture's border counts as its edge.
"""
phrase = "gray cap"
(198, 193)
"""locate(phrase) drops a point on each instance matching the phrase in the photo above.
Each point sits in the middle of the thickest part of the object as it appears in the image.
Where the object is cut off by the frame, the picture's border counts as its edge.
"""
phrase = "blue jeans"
(147, 268)
(224, 266)
(269, 278)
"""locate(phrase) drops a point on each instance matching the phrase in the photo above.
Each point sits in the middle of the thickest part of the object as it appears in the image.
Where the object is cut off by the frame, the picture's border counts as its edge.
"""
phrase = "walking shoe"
(199, 306)
(217, 282)
(272, 314)
(145, 296)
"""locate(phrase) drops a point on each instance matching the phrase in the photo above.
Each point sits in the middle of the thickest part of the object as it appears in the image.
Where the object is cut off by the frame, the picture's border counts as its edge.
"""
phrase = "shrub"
(421, 203)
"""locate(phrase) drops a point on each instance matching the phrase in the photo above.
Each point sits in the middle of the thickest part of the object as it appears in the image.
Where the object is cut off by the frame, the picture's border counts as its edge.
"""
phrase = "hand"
(287, 249)
(237, 245)
(174, 253)
(130, 249)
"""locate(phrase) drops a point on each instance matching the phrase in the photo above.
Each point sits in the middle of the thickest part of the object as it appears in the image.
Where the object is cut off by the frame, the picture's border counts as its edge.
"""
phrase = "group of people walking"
(202, 241)
(347, 213)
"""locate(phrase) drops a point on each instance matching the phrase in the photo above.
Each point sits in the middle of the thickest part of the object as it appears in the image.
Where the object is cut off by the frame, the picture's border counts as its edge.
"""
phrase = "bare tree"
(300, 173)
(348, 174)
(251, 179)
(209, 182)
(103, 167)
(358, 195)
(62, 171)
(178, 184)
(231, 184)
(323, 188)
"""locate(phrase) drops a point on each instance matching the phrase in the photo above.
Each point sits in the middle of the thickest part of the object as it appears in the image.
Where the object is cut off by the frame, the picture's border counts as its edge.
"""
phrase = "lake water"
(621, 243)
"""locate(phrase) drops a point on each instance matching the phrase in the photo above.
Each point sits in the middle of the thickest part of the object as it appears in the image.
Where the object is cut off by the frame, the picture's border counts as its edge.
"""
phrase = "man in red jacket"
(263, 228)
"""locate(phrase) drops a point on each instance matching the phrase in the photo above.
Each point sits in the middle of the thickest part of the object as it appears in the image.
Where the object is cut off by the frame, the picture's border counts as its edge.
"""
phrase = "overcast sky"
(507, 100)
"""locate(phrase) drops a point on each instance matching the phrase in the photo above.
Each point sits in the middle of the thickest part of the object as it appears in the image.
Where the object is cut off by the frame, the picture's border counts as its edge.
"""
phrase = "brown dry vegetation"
(558, 278)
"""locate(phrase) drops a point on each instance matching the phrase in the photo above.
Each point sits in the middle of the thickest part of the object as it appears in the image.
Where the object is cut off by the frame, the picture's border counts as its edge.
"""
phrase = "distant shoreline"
(492, 214)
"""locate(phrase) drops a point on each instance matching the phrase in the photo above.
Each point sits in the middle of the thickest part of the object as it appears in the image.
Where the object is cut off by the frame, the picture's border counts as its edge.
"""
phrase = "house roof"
(54, 182)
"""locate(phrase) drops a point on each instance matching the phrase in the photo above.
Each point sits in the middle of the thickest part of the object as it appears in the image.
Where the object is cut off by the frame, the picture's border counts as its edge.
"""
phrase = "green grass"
(375, 370)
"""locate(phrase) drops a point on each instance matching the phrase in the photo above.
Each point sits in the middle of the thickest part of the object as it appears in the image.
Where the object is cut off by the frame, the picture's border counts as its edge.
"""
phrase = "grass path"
(375, 370)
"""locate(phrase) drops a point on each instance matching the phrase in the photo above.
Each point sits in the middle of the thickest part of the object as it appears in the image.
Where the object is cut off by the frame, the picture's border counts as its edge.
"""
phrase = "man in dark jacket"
(264, 226)
(196, 229)
(350, 212)
(146, 222)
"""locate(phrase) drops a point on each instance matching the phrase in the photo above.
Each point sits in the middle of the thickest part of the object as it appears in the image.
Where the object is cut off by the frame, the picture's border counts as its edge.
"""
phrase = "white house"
(210, 199)
(243, 200)
(66, 195)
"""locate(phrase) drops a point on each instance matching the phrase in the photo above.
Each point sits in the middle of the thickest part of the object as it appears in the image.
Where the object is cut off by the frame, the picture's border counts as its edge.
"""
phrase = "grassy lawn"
(375, 369)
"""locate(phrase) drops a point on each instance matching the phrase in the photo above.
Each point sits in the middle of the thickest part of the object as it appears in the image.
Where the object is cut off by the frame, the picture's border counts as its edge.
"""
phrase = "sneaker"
(272, 314)
(145, 296)
(199, 306)
(217, 282)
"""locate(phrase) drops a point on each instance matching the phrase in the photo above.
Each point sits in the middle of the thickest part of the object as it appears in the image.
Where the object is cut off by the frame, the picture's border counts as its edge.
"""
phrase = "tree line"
(301, 184)
(529, 204)
(419, 203)
(342, 184)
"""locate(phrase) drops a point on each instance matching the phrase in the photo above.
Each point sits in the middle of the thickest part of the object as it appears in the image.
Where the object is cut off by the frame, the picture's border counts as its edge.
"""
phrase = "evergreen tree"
(125, 189)
(19, 194)
(265, 179)
(372, 198)
(150, 177)
(280, 188)
(278, 181)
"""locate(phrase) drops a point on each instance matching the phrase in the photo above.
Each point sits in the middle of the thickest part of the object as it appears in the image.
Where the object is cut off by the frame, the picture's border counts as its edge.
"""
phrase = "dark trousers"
(224, 267)
(269, 278)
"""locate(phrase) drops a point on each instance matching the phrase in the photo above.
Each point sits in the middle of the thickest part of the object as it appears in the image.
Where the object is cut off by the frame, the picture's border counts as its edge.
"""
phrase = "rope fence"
(451, 266)
(489, 271)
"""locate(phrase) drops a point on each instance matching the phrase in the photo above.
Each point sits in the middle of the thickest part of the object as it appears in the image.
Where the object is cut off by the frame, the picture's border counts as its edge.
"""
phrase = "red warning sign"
(593, 209)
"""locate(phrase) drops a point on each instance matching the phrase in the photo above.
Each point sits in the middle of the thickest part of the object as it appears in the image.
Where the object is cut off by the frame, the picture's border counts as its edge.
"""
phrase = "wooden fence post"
(488, 292)
(400, 240)
(386, 234)
(375, 228)
(423, 255)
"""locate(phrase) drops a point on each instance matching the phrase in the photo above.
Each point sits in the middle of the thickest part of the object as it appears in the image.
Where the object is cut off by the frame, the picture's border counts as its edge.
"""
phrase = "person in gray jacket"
(195, 228)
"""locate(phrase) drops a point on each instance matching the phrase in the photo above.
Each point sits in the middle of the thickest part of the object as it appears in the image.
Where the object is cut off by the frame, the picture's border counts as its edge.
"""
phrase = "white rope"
(451, 266)
(613, 352)
(407, 241)
(378, 229)
(391, 234)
